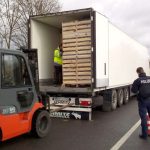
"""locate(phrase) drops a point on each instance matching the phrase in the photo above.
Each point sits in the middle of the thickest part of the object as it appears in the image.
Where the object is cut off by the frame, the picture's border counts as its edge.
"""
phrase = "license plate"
(61, 100)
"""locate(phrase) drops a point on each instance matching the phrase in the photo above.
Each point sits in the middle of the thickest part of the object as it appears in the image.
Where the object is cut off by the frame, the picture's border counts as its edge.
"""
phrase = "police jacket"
(141, 86)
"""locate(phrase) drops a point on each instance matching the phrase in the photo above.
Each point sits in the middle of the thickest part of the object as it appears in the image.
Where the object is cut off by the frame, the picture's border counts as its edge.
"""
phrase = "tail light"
(85, 103)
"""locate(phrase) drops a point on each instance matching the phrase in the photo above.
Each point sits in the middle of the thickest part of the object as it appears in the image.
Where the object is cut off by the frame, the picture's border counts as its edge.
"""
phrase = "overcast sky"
(131, 16)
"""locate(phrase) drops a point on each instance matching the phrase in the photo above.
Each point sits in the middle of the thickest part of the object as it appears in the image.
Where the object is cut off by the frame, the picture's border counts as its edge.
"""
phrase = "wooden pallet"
(76, 52)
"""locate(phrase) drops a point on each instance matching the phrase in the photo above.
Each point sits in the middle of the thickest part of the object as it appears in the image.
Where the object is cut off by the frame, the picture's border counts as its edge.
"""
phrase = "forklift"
(22, 106)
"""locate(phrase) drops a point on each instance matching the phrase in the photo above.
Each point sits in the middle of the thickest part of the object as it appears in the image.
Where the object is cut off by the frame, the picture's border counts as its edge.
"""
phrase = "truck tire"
(110, 100)
(41, 124)
(125, 95)
(120, 97)
(114, 100)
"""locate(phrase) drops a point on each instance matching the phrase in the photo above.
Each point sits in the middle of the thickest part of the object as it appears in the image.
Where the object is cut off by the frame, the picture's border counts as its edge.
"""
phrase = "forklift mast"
(32, 56)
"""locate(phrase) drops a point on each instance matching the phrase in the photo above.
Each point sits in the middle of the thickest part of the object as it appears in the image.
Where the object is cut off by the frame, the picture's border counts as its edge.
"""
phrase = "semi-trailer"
(99, 61)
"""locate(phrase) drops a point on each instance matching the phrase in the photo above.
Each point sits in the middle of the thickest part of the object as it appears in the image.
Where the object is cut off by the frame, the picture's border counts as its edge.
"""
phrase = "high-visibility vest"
(57, 57)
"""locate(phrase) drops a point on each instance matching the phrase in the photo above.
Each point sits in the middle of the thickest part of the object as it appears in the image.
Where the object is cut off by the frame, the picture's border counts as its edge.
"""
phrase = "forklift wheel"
(41, 124)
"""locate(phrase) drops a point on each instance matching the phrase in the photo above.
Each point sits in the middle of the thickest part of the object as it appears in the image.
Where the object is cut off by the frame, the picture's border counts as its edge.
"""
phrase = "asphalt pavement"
(102, 133)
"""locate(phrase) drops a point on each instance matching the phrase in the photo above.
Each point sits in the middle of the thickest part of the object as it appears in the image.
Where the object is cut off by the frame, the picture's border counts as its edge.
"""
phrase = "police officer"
(58, 65)
(141, 87)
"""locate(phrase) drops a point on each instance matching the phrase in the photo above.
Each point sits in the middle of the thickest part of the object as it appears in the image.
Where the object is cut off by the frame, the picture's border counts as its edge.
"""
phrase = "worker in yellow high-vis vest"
(58, 65)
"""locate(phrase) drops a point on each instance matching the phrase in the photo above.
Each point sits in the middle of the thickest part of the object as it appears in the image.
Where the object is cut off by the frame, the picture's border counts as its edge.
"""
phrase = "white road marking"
(126, 136)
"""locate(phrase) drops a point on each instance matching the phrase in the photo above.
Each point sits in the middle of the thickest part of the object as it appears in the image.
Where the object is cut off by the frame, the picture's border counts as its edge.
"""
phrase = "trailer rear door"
(101, 52)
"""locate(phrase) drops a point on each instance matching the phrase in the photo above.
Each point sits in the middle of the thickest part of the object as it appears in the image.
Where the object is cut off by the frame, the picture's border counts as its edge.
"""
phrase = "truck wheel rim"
(121, 97)
(114, 100)
(126, 95)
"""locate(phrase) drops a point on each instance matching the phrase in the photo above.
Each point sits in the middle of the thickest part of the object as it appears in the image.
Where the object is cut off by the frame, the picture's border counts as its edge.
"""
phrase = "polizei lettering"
(145, 81)
(60, 115)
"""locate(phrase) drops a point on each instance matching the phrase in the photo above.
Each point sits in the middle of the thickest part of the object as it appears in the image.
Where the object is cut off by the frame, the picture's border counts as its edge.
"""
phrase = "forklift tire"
(41, 124)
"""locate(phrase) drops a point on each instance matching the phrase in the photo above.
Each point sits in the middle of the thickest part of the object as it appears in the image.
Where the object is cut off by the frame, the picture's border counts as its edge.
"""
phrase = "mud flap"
(72, 115)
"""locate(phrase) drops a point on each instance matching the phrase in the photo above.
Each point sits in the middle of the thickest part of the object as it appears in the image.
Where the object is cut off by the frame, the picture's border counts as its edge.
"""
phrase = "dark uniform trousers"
(144, 108)
(58, 74)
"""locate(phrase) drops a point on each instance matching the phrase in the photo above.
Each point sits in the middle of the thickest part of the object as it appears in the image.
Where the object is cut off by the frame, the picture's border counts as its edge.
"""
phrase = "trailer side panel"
(125, 55)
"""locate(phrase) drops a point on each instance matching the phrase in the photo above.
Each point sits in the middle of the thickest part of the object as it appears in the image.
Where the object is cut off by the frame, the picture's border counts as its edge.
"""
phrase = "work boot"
(142, 137)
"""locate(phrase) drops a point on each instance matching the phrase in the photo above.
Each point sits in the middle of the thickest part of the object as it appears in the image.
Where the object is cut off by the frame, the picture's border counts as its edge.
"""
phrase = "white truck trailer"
(99, 61)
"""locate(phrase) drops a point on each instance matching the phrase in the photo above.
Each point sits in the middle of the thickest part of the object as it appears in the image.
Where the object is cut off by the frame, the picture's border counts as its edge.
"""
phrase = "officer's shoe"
(142, 137)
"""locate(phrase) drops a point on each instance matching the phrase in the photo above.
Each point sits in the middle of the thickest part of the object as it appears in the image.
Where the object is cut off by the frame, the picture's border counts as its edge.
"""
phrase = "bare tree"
(9, 16)
(14, 15)
(30, 8)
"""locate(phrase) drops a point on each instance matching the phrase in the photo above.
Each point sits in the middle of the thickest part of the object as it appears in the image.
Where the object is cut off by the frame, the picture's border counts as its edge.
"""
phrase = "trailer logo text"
(60, 115)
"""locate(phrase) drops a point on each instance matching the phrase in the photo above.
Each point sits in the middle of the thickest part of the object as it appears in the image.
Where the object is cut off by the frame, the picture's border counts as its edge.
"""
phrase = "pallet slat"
(77, 65)
(76, 53)
(78, 60)
(66, 24)
(76, 40)
(78, 56)
(76, 35)
(76, 32)
(84, 65)
(77, 77)
(77, 82)
(84, 43)
(76, 48)
(76, 44)
(79, 73)
(79, 27)
(78, 69)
